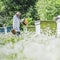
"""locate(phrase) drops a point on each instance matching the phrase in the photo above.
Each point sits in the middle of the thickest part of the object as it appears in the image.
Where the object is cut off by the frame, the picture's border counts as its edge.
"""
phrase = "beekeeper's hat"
(18, 13)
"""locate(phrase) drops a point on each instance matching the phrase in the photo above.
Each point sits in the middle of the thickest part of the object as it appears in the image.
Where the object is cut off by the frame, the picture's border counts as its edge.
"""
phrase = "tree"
(9, 7)
(47, 9)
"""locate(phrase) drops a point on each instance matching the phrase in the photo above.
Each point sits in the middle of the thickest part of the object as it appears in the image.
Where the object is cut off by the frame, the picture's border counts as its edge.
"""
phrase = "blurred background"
(32, 10)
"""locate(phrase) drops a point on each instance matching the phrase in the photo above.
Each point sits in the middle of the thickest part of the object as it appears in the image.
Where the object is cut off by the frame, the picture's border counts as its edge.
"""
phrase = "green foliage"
(35, 9)
(30, 21)
(47, 9)
(10, 7)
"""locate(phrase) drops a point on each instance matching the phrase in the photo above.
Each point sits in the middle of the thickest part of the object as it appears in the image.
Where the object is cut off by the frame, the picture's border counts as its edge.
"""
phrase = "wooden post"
(5, 29)
(25, 29)
(37, 27)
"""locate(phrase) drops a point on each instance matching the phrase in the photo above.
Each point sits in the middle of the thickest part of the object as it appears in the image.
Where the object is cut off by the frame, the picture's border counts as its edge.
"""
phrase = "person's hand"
(22, 20)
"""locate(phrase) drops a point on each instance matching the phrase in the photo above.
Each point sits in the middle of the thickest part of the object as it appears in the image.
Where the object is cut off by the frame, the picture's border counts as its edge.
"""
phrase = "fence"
(5, 29)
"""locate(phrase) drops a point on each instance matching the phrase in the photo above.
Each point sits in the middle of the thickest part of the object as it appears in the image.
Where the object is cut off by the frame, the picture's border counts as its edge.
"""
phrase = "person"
(58, 18)
(16, 23)
(58, 25)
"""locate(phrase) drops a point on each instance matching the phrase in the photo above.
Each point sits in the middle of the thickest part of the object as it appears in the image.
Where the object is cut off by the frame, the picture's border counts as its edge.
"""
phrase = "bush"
(30, 21)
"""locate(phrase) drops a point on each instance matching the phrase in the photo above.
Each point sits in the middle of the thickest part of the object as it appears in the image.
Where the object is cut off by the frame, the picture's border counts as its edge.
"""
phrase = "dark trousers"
(18, 33)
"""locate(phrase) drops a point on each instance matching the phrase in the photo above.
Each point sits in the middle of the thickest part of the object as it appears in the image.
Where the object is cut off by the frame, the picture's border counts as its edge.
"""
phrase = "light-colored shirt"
(16, 23)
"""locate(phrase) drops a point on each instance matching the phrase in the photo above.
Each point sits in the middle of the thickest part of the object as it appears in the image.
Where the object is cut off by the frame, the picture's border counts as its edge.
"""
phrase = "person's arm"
(21, 20)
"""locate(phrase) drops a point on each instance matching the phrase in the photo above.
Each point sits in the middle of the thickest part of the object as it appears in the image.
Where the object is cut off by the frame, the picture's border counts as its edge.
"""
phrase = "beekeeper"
(16, 22)
(58, 24)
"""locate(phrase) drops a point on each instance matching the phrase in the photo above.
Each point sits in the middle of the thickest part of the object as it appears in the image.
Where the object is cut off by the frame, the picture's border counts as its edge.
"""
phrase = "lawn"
(30, 46)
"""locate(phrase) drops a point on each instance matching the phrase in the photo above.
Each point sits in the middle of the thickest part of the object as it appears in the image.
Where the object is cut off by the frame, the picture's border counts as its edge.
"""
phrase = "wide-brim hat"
(18, 13)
